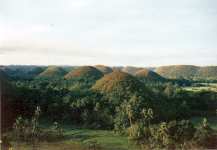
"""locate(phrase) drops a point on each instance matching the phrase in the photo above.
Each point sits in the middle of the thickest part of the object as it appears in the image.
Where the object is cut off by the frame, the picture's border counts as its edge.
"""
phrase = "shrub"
(205, 136)
(30, 131)
(135, 131)
(172, 133)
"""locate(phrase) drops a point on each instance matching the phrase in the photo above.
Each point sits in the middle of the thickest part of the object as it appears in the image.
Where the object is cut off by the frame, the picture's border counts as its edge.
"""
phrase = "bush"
(30, 131)
(206, 136)
(172, 133)
(27, 130)
(135, 131)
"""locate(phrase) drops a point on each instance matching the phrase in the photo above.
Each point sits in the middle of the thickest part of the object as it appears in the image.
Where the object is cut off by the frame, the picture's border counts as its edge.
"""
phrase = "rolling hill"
(131, 70)
(52, 72)
(84, 72)
(104, 69)
(149, 75)
(118, 81)
(208, 73)
(177, 71)
(188, 72)
(23, 71)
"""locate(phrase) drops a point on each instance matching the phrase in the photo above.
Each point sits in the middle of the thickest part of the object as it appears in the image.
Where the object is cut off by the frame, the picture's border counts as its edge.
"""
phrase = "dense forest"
(153, 109)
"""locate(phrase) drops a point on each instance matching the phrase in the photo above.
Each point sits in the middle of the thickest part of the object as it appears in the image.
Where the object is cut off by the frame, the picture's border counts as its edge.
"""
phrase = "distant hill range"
(188, 72)
(22, 71)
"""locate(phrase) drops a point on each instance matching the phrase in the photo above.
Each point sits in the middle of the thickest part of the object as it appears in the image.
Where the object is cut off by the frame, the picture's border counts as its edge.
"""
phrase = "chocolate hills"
(177, 71)
(118, 81)
(131, 70)
(188, 72)
(52, 72)
(208, 73)
(84, 72)
(149, 75)
(103, 69)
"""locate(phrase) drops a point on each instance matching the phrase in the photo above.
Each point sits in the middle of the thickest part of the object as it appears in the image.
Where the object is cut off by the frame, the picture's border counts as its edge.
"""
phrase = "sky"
(109, 32)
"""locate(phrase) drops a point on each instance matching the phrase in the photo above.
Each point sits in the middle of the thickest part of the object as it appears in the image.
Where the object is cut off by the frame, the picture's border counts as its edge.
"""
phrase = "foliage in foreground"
(31, 132)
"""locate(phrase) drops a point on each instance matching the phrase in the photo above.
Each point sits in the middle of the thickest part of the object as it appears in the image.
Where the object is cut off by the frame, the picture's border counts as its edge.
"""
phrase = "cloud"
(122, 32)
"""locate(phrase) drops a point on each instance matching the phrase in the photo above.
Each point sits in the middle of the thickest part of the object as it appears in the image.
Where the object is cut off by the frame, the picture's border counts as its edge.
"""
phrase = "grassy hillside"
(209, 73)
(188, 72)
(103, 69)
(84, 72)
(52, 72)
(131, 70)
(177, 71)
(149, 75)
(117, 81)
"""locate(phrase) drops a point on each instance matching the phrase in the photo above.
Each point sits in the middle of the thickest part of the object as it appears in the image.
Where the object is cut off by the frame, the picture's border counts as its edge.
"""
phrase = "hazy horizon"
(114, 33)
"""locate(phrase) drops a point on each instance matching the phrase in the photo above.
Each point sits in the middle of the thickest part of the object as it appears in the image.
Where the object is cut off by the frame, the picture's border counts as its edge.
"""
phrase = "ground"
(85, 139)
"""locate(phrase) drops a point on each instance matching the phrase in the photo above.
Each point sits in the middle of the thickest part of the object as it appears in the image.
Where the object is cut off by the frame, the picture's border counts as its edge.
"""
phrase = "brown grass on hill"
(117, 81)
(145, 73)
(84, 71)
(53, 71)
(131, 70)
(177, 71)
(104, 69)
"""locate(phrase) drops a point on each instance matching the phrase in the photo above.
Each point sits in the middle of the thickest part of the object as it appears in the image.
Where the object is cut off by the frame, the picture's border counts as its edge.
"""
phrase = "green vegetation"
(91, 109)
(82, 139)
(23, 72)
(202, 87)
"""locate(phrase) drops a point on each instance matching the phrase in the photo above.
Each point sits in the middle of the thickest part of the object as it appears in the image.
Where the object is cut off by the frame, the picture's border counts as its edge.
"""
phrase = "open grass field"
(84, 139)
(204, 86)
(90, 139)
